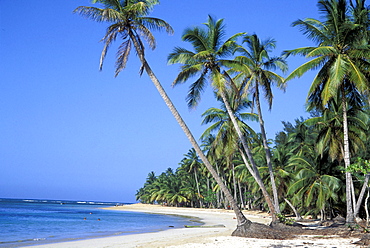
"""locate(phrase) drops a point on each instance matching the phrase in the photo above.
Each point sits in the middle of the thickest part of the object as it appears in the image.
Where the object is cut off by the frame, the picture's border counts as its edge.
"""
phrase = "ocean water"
(26, 222)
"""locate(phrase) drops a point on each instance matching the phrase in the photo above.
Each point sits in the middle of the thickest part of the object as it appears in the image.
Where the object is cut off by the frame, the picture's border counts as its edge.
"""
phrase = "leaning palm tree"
(207, 61)
(341, 56)
(129, 19)
(226, 142)
(260, 78)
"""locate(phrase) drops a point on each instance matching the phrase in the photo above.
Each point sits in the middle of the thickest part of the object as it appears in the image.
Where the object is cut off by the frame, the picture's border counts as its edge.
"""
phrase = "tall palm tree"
(130, 21)
(260, 77)
(330, 131)
(209, 57)
(341, 56)
(226, 142)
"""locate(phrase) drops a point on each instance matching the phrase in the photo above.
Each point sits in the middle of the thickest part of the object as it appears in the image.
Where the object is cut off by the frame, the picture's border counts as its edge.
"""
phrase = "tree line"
(314, 166)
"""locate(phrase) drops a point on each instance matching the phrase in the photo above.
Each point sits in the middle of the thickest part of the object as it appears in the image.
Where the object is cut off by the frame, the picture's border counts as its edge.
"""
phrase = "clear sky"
(69, 131)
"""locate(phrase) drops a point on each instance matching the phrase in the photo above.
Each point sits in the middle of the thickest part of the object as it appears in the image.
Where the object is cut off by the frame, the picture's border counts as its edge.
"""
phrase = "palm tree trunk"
(256, 175)
(234, 182)
(267, 151)
(366, 208)
(361, 196)
(249, 154)
(196, 181)
(350, 216)
(241, 196)
(322, 214)
(353, 194)
(297, 215)
(243, 222)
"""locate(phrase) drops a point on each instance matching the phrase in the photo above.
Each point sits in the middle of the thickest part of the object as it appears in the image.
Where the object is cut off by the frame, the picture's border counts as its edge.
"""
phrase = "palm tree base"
(261, 231)
(242, 230)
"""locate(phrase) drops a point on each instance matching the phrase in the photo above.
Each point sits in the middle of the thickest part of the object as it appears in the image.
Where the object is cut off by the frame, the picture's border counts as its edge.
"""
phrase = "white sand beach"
(200, 237)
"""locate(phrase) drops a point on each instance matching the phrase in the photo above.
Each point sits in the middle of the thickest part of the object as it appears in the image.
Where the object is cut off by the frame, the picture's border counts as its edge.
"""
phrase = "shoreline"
(220, 223)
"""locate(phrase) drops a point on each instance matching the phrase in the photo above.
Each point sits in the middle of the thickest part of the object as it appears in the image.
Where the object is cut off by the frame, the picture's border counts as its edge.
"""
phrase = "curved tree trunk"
(243, 222)
(297, 215)
(256, 175)
(267, 152)
(349, 217)
(249, 155)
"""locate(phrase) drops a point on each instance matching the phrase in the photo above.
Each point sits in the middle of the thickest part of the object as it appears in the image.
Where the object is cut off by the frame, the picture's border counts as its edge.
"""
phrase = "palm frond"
(156, 24)
(108, 39)
(97, 14)
(321, 51)
(313, 29)
(195, 91)
(357, 75)
(181, 56)
(197, 37)
(310, 65)
(122, 56)
(147, 35)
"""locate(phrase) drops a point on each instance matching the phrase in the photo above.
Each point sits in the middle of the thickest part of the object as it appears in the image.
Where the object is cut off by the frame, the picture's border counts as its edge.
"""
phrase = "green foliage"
(284, 220)
(210, 198)
(307, 156)
(361, 165)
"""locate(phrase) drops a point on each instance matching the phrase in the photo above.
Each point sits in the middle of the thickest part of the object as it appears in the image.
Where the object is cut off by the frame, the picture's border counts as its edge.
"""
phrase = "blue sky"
(69, 131)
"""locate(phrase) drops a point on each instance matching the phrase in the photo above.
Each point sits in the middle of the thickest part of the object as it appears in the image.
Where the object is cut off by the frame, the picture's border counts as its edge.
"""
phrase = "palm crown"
(129, 20)
(209, 55)
(258, 63)
(340, 53)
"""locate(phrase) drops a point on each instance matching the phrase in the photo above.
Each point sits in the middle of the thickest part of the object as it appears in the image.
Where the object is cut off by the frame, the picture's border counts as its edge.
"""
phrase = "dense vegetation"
(307, 158)
(307, 174)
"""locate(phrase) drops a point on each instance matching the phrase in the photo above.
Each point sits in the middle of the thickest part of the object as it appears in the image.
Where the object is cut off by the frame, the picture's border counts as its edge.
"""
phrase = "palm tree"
(302, 139)
(313, 188)
(226, 144)
(130, 20)
(209, 55)
(260, 77)
(283, 173)
(143, 193)
(341, 55)
(191, 163)
(167, 189)
(330, 131)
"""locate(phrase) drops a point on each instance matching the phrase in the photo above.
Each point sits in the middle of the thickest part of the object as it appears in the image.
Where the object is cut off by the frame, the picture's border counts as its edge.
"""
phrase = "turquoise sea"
(26, 222)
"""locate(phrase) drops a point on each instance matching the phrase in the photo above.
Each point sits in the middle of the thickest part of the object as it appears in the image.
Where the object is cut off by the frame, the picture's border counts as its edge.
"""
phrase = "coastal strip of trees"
(317, 166)
(310, 179)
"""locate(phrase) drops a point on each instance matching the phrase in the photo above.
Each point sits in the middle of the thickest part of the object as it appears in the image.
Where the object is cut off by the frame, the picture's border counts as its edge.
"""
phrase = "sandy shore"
(199, 237)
